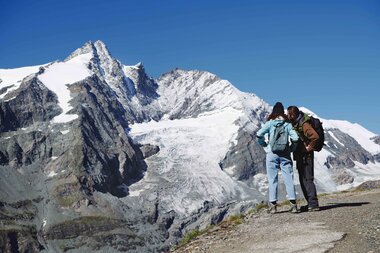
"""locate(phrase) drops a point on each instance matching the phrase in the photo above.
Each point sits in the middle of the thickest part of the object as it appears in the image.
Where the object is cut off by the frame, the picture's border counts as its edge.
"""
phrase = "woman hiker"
(278, 155)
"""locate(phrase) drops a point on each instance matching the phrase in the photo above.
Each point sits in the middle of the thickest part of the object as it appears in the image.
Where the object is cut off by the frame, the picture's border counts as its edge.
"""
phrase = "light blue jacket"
(269, 127)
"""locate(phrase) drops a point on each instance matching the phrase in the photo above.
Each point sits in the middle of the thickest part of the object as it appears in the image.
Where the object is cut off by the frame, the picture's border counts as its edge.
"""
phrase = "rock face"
(98, 156)
(247, 157)
(67, 165)
(345, 154)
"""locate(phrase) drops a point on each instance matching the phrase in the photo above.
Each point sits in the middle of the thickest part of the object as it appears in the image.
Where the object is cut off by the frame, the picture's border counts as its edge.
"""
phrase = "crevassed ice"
(189, 153)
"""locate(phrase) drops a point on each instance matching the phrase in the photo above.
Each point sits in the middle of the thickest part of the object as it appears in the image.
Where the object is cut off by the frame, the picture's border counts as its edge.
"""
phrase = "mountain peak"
(86, 48)
(101, 48)
(140, 65)
(137, 67)
(97, 48)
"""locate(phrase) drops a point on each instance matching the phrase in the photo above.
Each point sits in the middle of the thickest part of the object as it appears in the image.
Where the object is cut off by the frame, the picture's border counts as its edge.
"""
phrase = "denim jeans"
(273, 163)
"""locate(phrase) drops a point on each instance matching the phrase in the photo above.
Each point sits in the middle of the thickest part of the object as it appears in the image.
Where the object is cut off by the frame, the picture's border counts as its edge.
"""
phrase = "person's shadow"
(334, 205)
(337, 205)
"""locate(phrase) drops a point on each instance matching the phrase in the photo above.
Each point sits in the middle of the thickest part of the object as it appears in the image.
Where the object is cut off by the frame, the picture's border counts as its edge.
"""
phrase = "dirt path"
(347, 222)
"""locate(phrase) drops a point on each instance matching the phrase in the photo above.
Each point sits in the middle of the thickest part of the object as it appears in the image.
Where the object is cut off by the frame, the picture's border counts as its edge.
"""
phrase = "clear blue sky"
(324, 55)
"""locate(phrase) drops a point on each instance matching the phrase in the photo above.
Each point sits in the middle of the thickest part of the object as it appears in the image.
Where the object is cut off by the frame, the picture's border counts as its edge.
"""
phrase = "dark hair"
(275, 115)
(294, 109)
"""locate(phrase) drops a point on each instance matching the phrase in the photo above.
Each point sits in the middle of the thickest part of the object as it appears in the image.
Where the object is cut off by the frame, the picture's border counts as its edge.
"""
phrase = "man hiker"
(304, 155)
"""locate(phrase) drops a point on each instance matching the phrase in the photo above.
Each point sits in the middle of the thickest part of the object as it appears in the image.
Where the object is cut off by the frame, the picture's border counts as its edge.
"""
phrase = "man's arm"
(311, 135)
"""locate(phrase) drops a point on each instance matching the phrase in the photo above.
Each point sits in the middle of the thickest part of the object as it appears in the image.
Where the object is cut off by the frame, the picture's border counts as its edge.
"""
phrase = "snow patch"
(10, 99)
(356, 131)
(136, 193)
(322, 175)
(58, 75)
(14, 77)
(260, 181)
(229, 170)
(337, 140)
(52, 174)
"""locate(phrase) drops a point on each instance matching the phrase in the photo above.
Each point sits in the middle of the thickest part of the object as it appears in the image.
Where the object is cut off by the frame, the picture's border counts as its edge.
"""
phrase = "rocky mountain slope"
(96, 155)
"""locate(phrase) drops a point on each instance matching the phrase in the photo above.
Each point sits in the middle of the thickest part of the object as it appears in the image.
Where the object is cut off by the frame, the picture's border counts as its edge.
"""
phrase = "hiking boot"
(313, 208)
(272, 208)
(293, 208)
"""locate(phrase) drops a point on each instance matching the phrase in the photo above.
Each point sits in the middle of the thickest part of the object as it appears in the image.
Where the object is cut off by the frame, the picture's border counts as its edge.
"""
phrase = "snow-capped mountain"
(90, 144)
(349, 158)
(202, 118)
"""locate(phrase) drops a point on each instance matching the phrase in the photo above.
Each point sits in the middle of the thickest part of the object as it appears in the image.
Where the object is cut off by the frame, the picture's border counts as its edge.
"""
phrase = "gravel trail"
(347, 222)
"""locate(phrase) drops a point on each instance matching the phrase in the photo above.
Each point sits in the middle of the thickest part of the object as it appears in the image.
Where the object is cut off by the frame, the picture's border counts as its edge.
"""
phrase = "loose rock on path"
(347, 222)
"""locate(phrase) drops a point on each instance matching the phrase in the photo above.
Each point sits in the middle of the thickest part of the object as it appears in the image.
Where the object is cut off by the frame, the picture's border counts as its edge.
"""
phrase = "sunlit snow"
(322, 175)
(52, 174)
(65, 132)
(356, 131)
(58, 75)
(190, 150)
(14, 77)
(336, 139)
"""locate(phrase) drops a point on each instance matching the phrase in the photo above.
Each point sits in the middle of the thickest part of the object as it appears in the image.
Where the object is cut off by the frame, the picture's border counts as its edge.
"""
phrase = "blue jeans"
(273, 163)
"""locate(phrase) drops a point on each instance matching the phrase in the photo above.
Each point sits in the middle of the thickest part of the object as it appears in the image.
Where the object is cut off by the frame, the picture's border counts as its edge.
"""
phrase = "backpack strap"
(299, 127)
(277, 125)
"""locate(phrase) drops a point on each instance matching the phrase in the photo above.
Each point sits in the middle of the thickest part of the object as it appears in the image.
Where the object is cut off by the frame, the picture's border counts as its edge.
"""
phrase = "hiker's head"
(293, 113)
(278, 110)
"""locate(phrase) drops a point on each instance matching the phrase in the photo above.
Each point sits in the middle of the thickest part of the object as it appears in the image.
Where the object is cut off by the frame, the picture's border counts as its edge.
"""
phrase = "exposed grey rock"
(136, 85)
(94, 154)
(16, 232)
(377, 157)
(341, 176)
(149, 150)
(351, 149)
(369, 185)
(346, 152)
(146, 87)
(377, 139)
(339, 162)
(34, 103)
(247, 157)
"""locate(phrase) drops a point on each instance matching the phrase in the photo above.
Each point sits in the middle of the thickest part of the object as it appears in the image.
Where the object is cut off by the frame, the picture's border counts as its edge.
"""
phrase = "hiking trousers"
(274, 163)
(305, 167)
